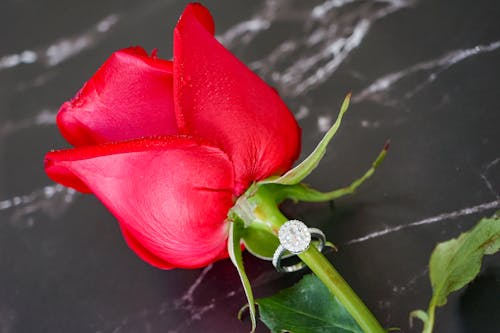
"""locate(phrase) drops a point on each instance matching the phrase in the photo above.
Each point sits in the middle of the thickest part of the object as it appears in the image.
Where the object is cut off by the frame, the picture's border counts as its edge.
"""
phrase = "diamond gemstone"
(294, 236)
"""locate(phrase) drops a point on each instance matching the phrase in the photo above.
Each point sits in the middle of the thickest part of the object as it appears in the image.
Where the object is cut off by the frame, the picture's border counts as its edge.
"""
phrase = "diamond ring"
(295, 237)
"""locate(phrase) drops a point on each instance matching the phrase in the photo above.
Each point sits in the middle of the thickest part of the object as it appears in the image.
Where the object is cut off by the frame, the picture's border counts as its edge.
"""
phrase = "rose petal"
(142, 252)
(219, 99)
(170, 194)
(129, 97)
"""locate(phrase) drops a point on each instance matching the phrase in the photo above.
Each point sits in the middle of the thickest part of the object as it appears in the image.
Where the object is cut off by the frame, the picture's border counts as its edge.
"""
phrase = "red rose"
(168, 146)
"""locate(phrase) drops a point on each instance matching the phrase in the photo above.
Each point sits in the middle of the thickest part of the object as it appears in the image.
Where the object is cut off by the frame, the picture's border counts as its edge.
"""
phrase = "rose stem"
(267, 210)
(325, 271)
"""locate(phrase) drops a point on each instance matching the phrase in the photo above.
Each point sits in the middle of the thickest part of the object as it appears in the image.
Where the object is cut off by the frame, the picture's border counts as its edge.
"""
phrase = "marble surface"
(423, 73)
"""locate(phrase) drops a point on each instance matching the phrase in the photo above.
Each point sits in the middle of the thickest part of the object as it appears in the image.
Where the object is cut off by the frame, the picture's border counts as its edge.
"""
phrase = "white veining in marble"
(377, 90)
(45, 117)
(52, 200)
(430, 220)
(302, 113)
(410, 284)
(244, 32)
(324, 123)
(321, 10)
(185, 303)
(36, 82)
(12, 60)
(369, 124)
(485, 177)
(326, 42)
(62, 49)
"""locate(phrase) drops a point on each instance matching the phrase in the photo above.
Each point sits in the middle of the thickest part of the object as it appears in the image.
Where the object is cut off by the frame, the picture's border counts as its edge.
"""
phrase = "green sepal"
(307, 307)
(260, 242)
(259, 213)
(301, 171)
(236, 229)
(302, 192)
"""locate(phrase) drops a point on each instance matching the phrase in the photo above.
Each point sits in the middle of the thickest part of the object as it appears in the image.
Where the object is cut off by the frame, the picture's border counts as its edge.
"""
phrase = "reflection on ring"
(296, 238)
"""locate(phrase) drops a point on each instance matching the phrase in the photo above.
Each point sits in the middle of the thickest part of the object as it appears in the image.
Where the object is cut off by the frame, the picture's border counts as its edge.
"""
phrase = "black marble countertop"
(423, 73)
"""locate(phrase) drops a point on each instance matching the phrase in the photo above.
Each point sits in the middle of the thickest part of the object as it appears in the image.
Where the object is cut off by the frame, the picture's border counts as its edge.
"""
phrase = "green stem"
(429, 324)
(324, 270)
(264, 208)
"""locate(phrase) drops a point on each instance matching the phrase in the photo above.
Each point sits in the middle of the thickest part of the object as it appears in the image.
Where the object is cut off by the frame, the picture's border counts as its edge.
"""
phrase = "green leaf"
(236, 229)
(307, 307)
(301, 171)
(455, 263)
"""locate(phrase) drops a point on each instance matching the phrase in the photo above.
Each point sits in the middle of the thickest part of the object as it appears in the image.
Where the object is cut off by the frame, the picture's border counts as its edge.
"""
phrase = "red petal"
(129, 97)
(198, 12)
(142, 252)
(219, 99)
(170, 194)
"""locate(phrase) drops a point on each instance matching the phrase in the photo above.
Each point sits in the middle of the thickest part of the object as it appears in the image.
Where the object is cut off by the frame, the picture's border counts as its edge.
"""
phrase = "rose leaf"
(307, 307)
(457, 262)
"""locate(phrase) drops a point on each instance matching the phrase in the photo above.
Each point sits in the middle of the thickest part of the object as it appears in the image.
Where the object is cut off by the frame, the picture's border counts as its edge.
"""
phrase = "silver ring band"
(301, 237)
